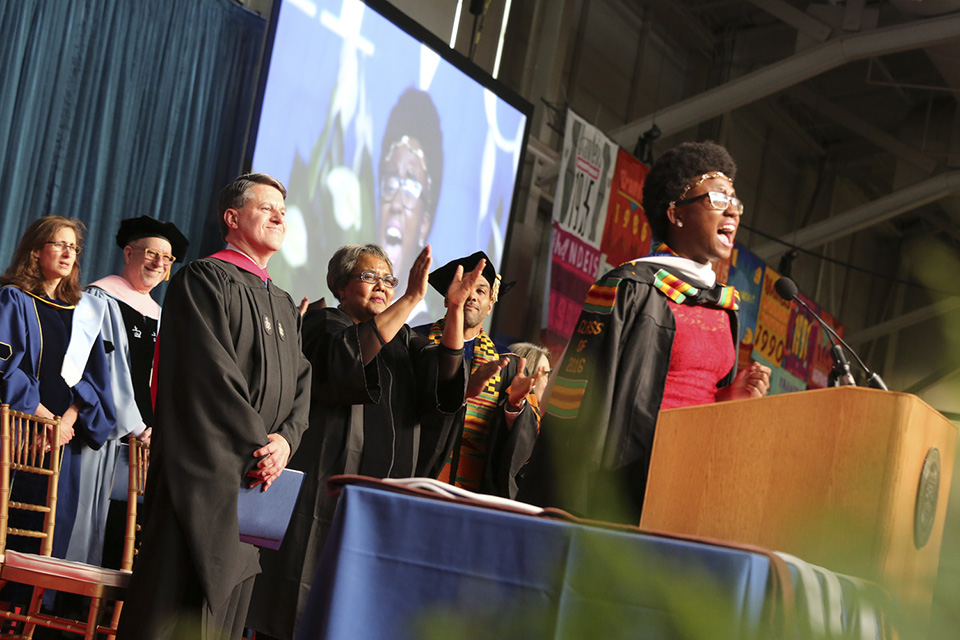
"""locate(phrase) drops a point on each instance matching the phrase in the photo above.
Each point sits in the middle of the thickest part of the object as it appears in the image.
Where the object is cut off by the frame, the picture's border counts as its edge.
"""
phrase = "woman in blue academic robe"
(52, 356)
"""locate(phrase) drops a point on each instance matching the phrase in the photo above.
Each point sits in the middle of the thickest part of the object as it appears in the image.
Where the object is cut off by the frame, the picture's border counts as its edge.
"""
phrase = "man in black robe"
(495, 430)
(231, 405)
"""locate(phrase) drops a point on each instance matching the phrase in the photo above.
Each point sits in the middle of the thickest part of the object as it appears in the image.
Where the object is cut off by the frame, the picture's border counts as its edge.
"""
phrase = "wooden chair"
(23, 450)
(43, 572)
(137, 483)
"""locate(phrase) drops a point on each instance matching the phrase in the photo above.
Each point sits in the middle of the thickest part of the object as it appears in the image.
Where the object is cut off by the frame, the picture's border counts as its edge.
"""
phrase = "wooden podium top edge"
(899, 396)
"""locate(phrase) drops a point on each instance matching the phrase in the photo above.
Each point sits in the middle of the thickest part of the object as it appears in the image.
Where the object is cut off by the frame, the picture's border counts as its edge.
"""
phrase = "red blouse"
(702, 356)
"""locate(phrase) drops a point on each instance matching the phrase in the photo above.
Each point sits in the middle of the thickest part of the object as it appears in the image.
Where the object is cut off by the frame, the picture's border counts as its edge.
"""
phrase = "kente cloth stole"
(479, 411)
(682, 292)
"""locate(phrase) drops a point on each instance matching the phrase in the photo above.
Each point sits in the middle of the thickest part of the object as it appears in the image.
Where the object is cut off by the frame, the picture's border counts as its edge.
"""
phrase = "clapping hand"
(523, 384)
(419, 274)
(462, 285)
(480, 377)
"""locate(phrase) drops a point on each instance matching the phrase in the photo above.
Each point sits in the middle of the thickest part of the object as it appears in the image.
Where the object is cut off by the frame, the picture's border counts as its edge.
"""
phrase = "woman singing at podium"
(658, 332)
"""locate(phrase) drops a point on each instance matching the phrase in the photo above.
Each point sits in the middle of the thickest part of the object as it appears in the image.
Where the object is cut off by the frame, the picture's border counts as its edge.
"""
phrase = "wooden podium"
(855, 480)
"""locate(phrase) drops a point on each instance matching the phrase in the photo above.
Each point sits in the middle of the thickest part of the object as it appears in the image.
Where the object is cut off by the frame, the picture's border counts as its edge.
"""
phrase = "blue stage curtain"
(118, 108)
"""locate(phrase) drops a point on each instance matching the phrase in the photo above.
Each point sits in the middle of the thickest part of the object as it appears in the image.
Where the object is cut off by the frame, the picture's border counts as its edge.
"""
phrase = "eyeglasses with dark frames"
(371, 277)
(716, 200)
(66, 246)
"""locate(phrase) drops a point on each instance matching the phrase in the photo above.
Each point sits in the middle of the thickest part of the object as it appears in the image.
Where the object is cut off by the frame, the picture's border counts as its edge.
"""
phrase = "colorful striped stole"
(679, 291)
(475, 435)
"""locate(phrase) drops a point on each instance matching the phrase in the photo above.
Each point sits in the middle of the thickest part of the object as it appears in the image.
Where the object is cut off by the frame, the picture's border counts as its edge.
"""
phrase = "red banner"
(626, 235)
(574, 269)
(802, 335)
(820, 360)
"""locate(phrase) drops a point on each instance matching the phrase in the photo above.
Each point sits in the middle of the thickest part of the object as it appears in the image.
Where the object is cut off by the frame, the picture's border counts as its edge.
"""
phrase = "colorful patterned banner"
(781, 381)
(821, 363)
(772, 318)
(746, 274)
(802, 334)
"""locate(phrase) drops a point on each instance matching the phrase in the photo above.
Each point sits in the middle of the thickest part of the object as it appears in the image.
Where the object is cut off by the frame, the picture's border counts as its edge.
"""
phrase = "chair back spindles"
(28, 444)
(136, 484)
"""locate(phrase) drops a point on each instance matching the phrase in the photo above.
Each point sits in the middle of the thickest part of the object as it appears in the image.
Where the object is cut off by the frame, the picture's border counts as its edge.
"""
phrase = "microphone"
(787, 289)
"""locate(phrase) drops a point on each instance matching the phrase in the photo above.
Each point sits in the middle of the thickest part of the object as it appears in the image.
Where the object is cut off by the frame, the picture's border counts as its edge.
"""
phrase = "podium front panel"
(832, 475)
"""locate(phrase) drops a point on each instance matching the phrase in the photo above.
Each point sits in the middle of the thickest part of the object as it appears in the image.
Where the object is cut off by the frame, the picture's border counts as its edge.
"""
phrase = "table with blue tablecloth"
(398, 565)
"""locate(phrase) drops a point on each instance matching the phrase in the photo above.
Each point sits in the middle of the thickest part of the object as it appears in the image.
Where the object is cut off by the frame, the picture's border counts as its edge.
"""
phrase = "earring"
(679, 223)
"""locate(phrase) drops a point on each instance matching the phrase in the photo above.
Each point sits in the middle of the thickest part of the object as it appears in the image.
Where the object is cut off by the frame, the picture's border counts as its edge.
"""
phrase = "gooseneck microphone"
(787, 289)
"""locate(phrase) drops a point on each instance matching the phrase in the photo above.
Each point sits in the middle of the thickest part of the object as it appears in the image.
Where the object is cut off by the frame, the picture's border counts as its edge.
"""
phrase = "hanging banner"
(574, 269)
(772, 318)
(746, 274)
(583, 186)
(821, 363)
(802, 335)
(781, 381)
(626, 235)
(579, 218)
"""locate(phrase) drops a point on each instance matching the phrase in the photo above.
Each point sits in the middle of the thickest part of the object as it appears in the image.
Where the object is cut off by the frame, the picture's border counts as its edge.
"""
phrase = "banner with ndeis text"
(579, 217)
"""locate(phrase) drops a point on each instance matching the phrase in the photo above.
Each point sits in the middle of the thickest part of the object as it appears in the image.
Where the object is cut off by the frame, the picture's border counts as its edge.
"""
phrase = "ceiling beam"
(867, 215)
(933, 378)
(800, 20)
(788, 72)
(904, 320)
(856, 124)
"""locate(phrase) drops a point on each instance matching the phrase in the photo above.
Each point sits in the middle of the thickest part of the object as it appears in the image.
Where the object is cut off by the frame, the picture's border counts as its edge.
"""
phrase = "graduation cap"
(441, 278)
(146, 227)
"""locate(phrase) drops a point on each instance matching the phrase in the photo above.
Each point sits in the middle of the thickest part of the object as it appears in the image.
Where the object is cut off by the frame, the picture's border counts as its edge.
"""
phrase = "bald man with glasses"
(129, 330)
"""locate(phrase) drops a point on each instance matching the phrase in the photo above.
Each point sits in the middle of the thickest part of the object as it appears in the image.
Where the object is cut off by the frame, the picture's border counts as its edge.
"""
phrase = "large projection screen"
(372, 126)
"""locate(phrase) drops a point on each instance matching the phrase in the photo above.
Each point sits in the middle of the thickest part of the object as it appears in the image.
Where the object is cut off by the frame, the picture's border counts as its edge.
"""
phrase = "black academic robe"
(231, 371)
(597, 433)
(370, 420)
(508, 447)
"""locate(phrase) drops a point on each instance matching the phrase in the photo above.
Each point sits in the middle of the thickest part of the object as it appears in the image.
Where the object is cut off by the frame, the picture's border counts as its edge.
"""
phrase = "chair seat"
(68, 569)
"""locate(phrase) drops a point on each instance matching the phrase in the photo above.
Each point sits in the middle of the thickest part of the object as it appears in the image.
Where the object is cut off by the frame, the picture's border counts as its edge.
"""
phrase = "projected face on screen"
(411, 168)
(403, 225)
(379, 139)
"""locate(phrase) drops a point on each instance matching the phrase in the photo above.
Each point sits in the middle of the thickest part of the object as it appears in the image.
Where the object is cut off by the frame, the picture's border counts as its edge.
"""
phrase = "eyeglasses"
(410, 190)
(371, 277)
(717, 200)
(152, 255)
(66, 246)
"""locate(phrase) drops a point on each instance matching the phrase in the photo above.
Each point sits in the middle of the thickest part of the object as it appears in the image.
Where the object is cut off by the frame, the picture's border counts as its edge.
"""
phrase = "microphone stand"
(841, 374)
(841, 366)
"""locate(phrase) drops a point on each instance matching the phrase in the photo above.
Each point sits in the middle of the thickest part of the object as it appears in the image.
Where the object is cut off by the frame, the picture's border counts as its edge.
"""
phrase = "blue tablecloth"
(400, 566)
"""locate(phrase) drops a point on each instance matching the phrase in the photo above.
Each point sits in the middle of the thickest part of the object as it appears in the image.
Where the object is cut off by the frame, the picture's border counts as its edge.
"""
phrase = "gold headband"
(703, 178)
